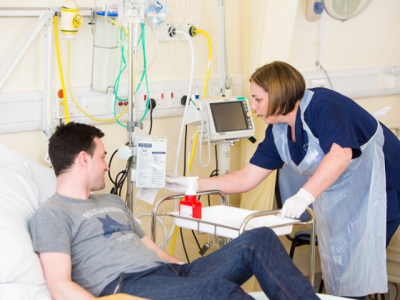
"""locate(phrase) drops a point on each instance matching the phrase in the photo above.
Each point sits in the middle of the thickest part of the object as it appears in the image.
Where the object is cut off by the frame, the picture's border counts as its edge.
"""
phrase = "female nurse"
(352, 162)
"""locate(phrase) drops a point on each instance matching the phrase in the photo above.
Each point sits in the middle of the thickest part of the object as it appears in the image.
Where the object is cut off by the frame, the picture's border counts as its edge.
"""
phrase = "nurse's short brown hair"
(284, 85)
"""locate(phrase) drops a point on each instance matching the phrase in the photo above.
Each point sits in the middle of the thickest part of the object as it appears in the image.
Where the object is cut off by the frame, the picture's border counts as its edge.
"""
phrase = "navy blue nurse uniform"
(335, 118)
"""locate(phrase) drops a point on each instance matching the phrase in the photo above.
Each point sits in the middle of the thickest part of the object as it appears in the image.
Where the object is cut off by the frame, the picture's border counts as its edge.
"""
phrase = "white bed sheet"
(23, 291)
(262, 296)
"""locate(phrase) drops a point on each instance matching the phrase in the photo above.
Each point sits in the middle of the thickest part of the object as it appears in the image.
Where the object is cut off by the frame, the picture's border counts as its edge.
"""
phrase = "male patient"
(90, 245)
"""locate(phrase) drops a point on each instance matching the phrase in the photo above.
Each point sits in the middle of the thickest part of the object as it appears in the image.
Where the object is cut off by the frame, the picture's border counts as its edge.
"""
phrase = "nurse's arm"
(237, 182)
(331, 167)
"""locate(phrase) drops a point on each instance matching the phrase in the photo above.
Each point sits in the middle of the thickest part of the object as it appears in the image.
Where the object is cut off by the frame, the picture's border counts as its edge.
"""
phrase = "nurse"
(352, 162)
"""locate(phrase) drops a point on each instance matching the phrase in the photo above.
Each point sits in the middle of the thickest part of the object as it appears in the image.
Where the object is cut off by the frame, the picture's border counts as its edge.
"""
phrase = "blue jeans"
(219, 275)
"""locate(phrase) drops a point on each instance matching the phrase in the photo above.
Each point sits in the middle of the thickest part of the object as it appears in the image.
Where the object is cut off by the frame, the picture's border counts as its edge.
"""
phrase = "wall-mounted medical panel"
(24, 111)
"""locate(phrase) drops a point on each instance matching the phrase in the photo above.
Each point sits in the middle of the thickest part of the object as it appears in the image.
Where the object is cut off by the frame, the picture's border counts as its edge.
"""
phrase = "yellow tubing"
(61, 71)
(171, 251)
(116, 24)
(209, 60)
(193, 150)
(76, 102)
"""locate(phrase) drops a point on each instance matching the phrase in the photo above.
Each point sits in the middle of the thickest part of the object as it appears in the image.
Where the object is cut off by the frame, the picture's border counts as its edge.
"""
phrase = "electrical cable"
(65, 103)
(327, 76)
(119, 178)
(195, 238)
(216, 171)
(183, 244)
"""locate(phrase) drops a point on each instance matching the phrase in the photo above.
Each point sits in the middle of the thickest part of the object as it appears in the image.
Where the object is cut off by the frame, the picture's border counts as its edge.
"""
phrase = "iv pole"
(135, 15)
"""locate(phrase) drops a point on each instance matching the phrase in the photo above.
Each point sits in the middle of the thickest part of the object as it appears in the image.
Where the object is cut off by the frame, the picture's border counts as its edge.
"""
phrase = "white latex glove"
(297, 204)
(178, 184)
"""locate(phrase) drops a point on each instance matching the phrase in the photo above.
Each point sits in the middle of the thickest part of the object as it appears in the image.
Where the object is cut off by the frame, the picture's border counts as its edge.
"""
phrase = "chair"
(288, 183)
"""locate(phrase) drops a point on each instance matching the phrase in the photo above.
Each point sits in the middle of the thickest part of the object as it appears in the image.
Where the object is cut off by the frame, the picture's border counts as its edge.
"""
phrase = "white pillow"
(42, 176)
(19, 198)
(24, 184)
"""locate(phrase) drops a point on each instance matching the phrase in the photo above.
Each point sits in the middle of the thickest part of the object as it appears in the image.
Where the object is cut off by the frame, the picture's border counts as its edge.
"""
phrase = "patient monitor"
(224, 119)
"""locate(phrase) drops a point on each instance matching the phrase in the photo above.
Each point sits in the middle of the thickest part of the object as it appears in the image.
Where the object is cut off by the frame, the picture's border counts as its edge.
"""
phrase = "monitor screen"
(228, 116)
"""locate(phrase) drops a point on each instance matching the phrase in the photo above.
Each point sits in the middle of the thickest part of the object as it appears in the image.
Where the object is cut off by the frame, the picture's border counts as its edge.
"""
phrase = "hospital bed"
(24, 185)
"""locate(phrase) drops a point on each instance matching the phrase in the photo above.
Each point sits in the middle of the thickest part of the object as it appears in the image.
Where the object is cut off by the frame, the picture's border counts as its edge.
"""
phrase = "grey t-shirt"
(100, 235)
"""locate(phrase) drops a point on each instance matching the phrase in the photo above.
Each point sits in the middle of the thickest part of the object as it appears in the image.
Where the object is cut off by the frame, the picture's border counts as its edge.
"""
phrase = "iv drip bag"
(131, 11)
(156, 11)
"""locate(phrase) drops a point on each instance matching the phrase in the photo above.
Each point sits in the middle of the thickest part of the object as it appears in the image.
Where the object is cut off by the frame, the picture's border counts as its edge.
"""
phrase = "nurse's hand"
(179, 184)
(297, 204)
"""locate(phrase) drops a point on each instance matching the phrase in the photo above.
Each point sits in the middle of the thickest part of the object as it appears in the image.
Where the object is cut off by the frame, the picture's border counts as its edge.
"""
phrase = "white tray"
(232, 217)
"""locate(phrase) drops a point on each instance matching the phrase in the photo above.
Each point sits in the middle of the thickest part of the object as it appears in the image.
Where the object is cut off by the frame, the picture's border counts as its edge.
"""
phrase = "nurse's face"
(260, 104)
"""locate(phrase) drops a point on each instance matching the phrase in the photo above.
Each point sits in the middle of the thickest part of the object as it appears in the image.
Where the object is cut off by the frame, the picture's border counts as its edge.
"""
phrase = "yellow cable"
(60, 70)
(209, 60)
(76, 102)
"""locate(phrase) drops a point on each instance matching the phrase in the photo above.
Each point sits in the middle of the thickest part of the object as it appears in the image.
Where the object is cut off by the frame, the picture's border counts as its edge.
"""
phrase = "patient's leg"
(258, 252)
(165, 283)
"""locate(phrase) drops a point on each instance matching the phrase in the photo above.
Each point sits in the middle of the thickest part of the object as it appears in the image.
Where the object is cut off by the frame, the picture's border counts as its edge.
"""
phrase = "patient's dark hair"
(68, 141)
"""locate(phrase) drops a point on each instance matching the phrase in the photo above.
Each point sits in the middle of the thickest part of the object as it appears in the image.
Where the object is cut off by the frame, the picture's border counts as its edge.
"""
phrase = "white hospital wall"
(368, 40)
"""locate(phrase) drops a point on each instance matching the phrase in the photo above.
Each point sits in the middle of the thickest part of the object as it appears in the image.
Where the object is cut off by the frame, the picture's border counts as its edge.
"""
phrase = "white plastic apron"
(350, 214)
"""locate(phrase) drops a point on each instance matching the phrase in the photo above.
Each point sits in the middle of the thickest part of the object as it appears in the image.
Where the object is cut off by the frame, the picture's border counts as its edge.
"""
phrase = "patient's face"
(98, 166)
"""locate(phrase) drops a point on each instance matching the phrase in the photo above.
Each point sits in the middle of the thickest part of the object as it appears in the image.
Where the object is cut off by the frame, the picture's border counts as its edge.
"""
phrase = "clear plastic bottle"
(105, 48)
